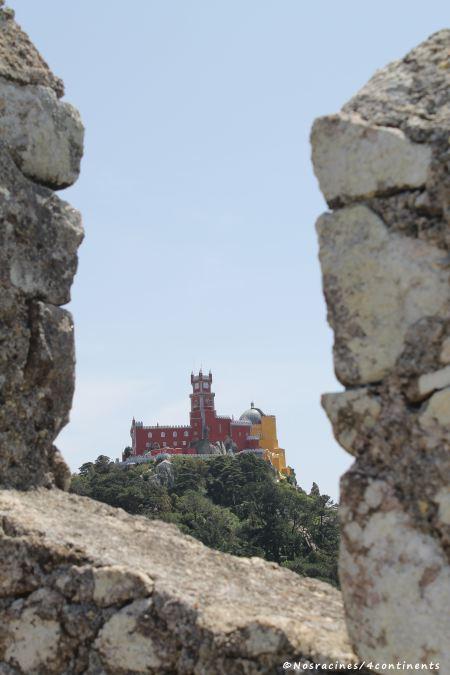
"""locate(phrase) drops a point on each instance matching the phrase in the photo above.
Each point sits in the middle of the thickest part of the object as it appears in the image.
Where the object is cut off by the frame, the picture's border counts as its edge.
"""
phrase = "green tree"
(225, 480)
(157, 502)
(215, 526)
(103, 463)
(190, 474)
(86, 468)
(315, 492)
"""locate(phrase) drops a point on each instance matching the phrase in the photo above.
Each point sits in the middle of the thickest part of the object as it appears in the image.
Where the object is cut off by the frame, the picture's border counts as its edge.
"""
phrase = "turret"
(201, 377)
(202, 402)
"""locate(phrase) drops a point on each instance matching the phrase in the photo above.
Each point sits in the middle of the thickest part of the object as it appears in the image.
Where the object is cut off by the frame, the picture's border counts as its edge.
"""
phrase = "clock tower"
(202, 405)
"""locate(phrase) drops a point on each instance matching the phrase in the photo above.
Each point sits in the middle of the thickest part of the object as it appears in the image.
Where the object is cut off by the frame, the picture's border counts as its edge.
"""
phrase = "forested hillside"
(233, 504)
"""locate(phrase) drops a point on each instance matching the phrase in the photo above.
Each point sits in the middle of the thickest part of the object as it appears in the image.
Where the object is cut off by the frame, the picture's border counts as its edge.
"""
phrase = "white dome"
(252, 415)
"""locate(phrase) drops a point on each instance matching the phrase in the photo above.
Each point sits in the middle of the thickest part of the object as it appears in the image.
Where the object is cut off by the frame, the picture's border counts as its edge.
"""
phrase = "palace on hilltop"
(209, 433)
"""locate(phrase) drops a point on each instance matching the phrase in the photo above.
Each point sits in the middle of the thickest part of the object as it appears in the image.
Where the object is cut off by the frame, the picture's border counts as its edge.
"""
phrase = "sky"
(199, 202)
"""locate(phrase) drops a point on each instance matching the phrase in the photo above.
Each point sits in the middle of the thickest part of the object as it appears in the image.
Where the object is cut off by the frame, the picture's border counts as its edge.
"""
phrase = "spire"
(252, 404)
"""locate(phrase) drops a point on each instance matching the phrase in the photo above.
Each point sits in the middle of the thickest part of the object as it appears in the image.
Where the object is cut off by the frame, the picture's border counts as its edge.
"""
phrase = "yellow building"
(265, 427)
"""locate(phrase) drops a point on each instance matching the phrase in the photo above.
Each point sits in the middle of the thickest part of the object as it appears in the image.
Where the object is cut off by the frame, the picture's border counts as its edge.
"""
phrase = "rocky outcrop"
(41, 142)
(382, 164)
(85, 588)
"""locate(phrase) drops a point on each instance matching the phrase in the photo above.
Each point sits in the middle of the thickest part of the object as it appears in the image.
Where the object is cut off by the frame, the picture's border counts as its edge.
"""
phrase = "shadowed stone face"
(382, 164)
(41, 143)
(43, 134)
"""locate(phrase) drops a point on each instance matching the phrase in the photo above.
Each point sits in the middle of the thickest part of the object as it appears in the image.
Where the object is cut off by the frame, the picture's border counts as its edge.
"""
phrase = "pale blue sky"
(199, 202)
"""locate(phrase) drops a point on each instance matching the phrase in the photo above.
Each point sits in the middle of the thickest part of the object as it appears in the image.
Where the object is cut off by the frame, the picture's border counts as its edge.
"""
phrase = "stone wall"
(383, 166)
(85, 588)
(41, 143)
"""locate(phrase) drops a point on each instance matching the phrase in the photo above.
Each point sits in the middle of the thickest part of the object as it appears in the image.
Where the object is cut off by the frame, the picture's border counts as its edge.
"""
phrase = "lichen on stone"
(382, 164)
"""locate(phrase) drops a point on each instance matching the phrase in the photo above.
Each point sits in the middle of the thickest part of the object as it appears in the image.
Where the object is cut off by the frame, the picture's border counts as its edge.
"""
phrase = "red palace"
(205, 425)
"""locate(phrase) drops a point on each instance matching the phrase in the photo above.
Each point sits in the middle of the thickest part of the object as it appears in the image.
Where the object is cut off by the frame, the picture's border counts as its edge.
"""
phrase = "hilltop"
(234, 504)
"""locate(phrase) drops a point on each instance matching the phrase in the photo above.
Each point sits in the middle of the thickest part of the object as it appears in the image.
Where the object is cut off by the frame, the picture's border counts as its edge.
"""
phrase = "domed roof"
(252, 415)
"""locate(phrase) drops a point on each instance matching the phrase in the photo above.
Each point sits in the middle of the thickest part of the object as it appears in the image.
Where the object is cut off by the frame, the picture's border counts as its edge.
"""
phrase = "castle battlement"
(166, 426)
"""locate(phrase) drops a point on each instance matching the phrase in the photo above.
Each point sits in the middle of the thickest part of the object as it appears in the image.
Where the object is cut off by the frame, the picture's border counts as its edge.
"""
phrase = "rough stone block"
(435, 419)
(88, 588)
(43, 134)
(41, 144)
(444, 356)
(383, 166)
(39, 237)
(429, 382)
(353, 415)
(353, 159)
(37, 389)
(377, 284)
(20, 61)
(395, 578)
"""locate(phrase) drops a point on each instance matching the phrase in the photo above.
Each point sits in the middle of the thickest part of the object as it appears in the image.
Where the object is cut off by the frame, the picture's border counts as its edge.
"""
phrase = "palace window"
(163, 434)
(149, 434)
(186, 433)
(184, 442)
(164, 444)
(175, 434)
(197, 385)
(205, 385)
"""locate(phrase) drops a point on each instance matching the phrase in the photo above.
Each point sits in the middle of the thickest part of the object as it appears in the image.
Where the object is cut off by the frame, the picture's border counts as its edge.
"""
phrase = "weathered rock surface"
(44, 135)
(430, 382)
(354, 159)
(19, 59)
(85, 588)
(396, 576)
(377, 283)
(382, 164)
(40, 139)
(352, 413)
